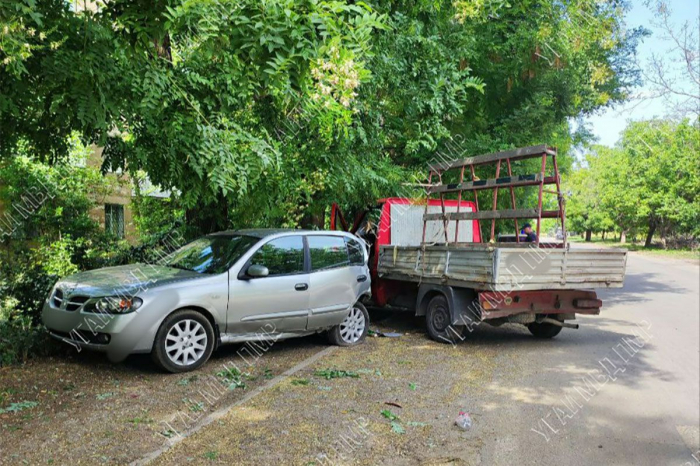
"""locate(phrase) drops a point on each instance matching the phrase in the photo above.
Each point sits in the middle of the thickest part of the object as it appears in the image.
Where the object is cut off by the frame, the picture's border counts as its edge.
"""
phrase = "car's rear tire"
(438, 319)
(544, 330)
(184, 341)
(353, 330)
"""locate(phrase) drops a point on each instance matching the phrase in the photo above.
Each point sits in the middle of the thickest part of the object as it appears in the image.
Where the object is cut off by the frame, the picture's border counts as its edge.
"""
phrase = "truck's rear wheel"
(439, 321)
(544, 330)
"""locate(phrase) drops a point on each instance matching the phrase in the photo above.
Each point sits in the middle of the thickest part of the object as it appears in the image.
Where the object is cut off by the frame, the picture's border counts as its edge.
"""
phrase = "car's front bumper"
(116, 335)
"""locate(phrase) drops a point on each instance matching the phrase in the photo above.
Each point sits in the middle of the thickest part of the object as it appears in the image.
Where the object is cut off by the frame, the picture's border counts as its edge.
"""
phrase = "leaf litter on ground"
(336, 374)
(231, 377)
(17, 407)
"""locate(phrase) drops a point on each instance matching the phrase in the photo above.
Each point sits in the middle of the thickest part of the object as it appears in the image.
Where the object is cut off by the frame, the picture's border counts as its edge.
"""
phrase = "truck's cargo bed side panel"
(505, 269)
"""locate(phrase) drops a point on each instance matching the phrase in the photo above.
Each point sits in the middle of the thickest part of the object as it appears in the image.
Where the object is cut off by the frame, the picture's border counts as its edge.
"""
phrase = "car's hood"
(123, 280)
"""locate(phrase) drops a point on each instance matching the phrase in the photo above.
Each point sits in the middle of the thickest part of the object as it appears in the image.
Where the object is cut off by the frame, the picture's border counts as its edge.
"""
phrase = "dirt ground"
(91, 411)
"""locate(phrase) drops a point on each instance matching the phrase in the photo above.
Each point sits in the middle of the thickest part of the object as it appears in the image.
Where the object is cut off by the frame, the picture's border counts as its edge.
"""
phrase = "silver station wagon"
(226, 287)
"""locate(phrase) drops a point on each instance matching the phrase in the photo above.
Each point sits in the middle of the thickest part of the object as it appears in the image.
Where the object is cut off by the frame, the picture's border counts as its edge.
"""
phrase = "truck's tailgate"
(505, 269)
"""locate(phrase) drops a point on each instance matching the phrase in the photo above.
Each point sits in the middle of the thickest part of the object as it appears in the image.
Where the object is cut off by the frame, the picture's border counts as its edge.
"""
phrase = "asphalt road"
(644, 410)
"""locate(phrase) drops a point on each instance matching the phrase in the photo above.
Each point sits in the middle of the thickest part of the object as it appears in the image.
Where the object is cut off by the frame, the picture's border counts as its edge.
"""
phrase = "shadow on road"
(639, 287)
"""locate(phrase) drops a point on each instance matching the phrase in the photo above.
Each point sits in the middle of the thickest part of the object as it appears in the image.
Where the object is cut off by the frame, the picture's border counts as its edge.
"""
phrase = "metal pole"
(495, 201)
(476, 199)
(512, 200)
(560, 198)
(427, 203)
(459, 203)
(539, 198)
(444, 214)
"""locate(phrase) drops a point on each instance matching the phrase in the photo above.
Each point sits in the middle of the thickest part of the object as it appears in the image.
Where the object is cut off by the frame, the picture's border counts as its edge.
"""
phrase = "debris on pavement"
(464, 421)
(397, 428)
(392, 403)
(377, 333)
(336, 374)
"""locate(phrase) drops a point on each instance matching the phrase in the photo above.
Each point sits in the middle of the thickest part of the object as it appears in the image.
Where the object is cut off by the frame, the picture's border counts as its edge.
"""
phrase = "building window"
(114, 220)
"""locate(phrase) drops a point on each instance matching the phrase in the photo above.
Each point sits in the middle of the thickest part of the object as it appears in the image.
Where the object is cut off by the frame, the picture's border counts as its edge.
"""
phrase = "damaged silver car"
(226, 287)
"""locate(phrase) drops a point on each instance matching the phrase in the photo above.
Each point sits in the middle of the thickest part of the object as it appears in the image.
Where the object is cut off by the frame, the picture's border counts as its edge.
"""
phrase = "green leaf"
(397, 428)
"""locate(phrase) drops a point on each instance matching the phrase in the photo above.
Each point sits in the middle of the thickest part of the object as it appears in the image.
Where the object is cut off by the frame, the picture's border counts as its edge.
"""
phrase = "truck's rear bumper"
(496, 304)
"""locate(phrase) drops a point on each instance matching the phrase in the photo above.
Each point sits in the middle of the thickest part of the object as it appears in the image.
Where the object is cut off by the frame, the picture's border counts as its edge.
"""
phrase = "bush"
(20, 336)
(58, 238)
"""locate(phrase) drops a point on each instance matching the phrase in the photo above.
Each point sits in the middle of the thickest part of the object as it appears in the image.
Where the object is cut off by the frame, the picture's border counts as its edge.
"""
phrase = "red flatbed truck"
(428, 257)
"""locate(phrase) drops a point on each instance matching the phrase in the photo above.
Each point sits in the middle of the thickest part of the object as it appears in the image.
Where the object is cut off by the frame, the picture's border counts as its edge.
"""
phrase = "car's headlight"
(116, 305)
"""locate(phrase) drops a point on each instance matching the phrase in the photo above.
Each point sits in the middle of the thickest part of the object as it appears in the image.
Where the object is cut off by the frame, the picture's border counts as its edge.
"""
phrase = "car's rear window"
(327, 252)
(356, 252)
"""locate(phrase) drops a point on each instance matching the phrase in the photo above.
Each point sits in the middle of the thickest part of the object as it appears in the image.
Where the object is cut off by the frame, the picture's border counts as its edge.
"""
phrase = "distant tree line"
(647, 185)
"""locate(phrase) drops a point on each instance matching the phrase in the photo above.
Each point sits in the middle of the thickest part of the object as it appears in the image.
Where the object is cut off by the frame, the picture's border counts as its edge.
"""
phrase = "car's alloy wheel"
(186, 342)
(352, 328)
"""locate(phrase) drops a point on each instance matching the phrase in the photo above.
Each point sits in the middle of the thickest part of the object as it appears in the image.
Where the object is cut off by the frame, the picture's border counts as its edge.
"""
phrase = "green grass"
(211, 455)
(639, 247)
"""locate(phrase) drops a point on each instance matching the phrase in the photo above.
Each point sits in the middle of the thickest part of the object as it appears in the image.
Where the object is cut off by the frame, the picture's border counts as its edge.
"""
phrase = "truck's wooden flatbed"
(485, 267)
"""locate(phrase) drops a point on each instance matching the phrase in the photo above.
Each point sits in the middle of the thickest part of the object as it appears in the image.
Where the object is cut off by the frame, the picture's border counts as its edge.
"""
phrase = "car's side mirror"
(257, 271)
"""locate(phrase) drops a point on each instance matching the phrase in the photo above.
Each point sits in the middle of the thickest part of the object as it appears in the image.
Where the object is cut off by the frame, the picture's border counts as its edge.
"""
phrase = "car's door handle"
(301, 286)
(362, 278)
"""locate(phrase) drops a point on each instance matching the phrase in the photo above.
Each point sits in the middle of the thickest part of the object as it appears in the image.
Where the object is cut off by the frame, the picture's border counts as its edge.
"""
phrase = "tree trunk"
(650, 234)
(204, 219)
(623, 236)
(588, 235)
(314, 217)
(313, 220)
(602, 236)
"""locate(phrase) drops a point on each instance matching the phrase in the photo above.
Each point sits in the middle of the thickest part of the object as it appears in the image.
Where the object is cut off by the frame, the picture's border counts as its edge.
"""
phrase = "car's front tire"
(184, 342)
(353, 330)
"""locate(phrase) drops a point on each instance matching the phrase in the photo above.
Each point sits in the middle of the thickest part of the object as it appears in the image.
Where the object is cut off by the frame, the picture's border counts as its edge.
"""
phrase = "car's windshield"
(210, 254)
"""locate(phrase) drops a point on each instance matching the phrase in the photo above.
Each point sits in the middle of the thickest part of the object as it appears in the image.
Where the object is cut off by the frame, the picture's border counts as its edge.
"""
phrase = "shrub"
(53, 236)
(20, 336)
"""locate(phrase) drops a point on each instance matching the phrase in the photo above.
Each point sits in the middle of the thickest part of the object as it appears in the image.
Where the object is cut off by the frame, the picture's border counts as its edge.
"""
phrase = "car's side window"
(281, 256)
(327, 252)
(355, 250)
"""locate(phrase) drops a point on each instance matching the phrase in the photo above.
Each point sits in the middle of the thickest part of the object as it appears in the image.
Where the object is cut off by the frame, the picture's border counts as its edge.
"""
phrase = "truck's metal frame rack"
(511, 182)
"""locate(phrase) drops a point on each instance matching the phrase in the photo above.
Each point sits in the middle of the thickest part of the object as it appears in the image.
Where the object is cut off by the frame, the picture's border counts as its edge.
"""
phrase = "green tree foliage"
(587, 210)
(648, 184)
(48, 202)
(262, 113)
(227, 78)
(60, 72)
